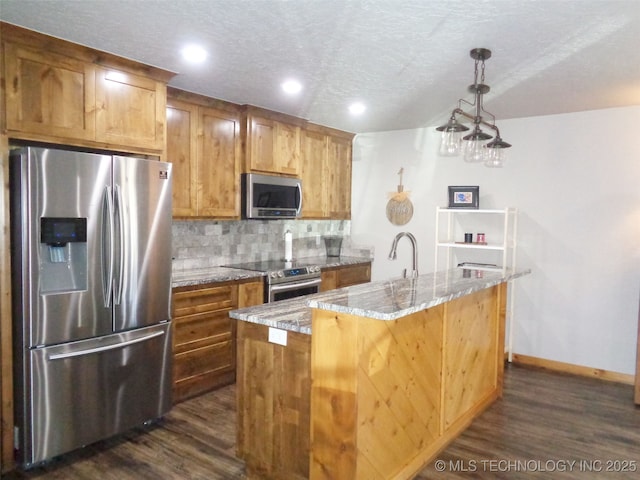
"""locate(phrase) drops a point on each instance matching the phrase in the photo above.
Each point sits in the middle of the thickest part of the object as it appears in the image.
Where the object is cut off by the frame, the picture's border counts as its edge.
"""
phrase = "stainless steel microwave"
(269, 196)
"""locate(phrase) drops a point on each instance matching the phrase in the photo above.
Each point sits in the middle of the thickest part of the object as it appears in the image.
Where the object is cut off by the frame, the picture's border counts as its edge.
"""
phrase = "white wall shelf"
(499, 253)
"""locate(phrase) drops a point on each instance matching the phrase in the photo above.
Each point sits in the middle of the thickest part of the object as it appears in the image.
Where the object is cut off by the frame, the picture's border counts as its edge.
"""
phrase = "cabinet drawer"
(200, 300)
(206, 359)
(199, 384)
(201, 329)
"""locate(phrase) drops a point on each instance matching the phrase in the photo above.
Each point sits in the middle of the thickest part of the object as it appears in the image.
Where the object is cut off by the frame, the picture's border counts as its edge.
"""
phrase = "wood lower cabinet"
(204, 336)
(204, 351)
(345, 276)
(61, 92)
(203, 143)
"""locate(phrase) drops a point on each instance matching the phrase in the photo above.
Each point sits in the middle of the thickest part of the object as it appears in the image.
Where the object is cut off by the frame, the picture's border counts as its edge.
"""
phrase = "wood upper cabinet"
(182, 126)
(61, 92)
(49, 94)
(218, 193)
(130, 109)
(314, 173)
(203, 143)
(339, 167)
(326, 173)
(272, 145)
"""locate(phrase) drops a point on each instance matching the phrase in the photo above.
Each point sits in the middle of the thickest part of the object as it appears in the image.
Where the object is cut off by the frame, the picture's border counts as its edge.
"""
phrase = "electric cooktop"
(267, 266)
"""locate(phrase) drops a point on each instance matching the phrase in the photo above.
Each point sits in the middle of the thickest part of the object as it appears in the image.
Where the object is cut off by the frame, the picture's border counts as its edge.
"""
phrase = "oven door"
(282, 291)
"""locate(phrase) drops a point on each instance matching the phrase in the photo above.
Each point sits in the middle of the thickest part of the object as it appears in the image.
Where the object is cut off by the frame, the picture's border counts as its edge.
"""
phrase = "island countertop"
(382, 300)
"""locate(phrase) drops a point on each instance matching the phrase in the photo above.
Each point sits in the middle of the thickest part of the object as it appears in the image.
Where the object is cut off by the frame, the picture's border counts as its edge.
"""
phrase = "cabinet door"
(339, 167)
(49, 94)
(314, 173)
(329, 280)
(251, 294)
(130, 110)
(345, 276)
(287, 149)
(182, 124)
(353, 275)
(261, 145)
(273, 147)
(218, 193)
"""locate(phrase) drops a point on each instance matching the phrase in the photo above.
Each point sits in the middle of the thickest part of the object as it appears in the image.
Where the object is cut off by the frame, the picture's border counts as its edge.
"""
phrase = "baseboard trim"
(574, 369)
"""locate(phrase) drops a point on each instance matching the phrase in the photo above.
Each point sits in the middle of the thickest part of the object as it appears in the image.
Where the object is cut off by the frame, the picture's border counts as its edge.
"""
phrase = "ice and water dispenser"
(63, 254)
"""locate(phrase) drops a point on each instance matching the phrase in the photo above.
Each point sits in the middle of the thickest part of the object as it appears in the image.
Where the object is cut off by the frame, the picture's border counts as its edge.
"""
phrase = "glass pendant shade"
(474, 146)
(450, 141)
(450, 144)
(474, 151)
(494, 157)
(495, 152)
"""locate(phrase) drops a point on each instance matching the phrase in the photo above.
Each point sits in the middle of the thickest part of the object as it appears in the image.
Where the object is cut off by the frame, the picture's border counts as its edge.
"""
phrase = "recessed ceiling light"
(357, 108)
(194, 54)
(292, 87)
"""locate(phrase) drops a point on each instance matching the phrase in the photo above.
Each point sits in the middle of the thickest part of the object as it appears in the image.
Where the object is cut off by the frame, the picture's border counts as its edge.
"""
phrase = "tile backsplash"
(203, 244)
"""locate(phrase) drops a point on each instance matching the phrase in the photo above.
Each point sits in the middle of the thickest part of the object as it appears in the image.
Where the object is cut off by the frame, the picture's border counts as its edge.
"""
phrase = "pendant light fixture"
(474, 147)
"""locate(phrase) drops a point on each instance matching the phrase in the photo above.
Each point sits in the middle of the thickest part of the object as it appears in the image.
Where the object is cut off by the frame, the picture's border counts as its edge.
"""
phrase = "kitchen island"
(371, 381)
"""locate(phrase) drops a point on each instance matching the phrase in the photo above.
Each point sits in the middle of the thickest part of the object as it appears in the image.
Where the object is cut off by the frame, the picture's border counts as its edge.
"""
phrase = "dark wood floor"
(545, 422)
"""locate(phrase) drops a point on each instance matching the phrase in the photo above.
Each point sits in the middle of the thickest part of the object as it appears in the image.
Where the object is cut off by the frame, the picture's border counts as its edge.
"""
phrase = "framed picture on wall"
(464, 196)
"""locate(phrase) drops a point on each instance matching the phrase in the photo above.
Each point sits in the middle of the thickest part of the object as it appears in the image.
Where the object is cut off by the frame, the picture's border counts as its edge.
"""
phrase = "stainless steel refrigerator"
(91, 273)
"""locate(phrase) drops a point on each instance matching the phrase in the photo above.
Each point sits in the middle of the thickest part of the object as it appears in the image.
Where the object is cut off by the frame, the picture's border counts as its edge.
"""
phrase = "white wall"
(575, 179)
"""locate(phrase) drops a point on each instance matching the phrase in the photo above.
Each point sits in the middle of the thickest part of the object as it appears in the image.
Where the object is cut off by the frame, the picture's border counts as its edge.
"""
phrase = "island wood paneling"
(470, 345)
(390, 383)
(385, 396)
(273, 385)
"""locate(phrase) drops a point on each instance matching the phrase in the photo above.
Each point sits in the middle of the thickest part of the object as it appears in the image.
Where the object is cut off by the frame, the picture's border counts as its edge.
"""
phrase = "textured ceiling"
(407, 60)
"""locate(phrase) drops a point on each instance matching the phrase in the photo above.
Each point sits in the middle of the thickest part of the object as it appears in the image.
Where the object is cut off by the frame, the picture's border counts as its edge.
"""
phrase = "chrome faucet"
(393, 255)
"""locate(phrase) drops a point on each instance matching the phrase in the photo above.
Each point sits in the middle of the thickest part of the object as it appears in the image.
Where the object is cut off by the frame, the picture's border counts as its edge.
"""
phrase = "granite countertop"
(202, 276)
(382, 300)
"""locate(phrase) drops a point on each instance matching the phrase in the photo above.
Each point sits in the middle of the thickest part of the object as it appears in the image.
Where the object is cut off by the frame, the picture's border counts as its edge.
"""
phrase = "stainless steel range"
(285, 279)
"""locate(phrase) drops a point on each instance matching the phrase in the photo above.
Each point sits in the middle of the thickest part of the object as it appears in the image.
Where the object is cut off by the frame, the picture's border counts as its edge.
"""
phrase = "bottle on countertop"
(288, 246)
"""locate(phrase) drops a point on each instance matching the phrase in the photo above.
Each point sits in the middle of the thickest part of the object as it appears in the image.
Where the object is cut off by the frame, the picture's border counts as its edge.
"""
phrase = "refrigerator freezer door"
(142, 279)
(60, 184)
(92, 389)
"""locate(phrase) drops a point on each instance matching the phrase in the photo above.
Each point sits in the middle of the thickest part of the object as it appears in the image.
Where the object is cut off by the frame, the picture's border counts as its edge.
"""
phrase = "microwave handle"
(300, 201)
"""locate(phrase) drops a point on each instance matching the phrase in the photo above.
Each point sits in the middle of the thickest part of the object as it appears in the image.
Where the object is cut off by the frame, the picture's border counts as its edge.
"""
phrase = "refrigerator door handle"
(121, 242)
(107, 247)
(88, 351)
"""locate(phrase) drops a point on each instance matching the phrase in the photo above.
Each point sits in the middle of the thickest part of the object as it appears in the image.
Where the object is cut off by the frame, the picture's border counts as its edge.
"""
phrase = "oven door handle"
(294, 285)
